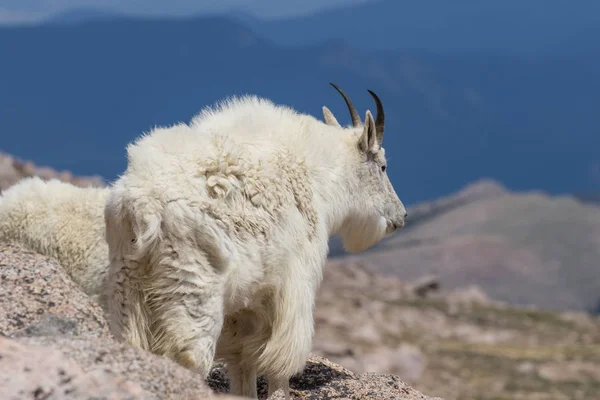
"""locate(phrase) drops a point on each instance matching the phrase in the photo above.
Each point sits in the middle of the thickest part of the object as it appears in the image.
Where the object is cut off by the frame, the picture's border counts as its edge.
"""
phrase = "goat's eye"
(383, 168)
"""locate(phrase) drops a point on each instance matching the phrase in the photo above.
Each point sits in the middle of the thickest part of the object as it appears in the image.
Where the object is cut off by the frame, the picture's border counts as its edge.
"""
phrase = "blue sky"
(13, 11)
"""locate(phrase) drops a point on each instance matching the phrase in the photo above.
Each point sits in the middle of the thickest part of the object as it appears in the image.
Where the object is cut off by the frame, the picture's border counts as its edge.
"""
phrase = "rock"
(526, 367)
(366, 333)
(407, 361)
(30, 372)
(470, 295)
(581, 320)
(44, 310)
(159, 377)
(92, 368)
(322, 379)
(474, 334)
(425, 285)
(38, 298)
(570, 371)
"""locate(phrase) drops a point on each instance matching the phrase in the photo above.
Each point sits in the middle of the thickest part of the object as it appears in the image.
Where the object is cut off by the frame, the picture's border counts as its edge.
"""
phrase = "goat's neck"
(334, 184)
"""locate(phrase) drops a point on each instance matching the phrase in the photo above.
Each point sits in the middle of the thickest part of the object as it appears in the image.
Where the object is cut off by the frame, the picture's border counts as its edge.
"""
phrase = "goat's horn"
(353, 113)
(380, 119)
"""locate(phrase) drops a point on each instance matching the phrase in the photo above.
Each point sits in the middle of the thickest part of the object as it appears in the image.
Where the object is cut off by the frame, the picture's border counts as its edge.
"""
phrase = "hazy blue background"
(502, 89)
(28, 10)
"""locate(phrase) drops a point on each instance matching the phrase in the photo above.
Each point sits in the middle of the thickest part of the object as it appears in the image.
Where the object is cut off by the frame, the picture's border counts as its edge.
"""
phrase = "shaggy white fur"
(62, 221)
(218, 234)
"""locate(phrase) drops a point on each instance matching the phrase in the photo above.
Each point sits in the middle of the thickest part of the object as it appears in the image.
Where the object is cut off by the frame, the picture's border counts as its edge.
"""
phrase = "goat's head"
(376, 209)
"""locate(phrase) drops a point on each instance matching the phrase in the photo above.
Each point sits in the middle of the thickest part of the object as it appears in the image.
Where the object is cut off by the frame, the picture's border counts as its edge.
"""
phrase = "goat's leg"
(243, 380)
(187, 331)
(185, 299)
(286, 350)
(237, 346)
(276, 384)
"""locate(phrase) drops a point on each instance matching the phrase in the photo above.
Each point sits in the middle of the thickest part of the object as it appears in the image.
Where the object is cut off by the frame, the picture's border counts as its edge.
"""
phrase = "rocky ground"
(54, 344)
(455, 344)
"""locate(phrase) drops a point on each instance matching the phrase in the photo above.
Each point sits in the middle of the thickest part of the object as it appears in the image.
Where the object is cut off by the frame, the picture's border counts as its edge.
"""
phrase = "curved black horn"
(353, 113)
(380, 118)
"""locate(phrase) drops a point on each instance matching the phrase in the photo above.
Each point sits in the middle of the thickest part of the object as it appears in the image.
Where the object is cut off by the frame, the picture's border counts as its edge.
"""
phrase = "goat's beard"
(360, 233)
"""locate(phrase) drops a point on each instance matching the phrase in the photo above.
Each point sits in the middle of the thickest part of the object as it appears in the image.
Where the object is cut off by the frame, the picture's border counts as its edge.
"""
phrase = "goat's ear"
(368, 138)
(329, 117)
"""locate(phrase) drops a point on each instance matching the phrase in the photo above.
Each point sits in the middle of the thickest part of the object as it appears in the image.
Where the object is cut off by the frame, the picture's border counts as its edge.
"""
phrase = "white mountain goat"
(218, 233)
(63, 221)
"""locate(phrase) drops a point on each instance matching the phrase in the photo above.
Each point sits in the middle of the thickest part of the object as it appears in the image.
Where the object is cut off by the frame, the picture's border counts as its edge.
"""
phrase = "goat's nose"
(405, 214)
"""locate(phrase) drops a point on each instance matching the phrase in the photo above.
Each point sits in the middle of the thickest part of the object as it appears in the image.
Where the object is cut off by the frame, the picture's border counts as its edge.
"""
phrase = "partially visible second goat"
(218, 233)
(62, 221)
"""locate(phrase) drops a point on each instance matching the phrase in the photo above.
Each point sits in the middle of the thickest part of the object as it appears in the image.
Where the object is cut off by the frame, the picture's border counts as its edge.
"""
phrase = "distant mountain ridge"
(524, 248)
(511, 26)
(82, 15)
(533, 27)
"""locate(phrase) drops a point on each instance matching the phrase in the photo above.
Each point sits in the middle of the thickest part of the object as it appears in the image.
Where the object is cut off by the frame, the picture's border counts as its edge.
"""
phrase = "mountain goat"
(62, 221)
(218, 233)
